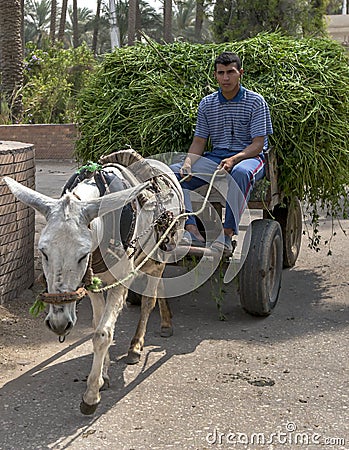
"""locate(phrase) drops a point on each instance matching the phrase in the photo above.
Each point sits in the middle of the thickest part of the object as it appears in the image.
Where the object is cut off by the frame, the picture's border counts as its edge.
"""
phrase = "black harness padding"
(109, 181)
(75, 179)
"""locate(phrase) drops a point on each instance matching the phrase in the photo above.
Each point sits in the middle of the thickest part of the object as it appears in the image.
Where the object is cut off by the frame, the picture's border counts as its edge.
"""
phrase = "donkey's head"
(66, 242)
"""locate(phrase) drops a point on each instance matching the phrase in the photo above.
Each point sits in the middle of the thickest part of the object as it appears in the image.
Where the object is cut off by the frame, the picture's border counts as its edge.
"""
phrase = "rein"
(175, 219)
(81, 292)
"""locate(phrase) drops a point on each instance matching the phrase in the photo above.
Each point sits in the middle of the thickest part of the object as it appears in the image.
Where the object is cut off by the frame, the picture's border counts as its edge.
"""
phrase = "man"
(237, 122)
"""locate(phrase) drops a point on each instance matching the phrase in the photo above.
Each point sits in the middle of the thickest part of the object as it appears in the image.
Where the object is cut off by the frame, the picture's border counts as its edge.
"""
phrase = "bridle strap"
(61, 298)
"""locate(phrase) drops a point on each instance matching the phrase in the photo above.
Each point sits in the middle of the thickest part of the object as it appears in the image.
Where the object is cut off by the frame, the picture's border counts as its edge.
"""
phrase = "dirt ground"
(19, 336)
(24, 341)
(283, 373)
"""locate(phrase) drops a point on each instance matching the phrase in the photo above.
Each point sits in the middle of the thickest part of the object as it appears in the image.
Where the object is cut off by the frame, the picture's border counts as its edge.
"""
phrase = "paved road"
(245, 383)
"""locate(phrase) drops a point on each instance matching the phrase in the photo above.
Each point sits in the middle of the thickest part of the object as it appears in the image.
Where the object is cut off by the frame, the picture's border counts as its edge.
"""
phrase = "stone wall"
(51, 141)
(17, 221)
(338, 28)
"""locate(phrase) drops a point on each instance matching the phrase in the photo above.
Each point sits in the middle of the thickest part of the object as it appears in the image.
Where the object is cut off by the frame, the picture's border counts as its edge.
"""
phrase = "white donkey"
(67, 243)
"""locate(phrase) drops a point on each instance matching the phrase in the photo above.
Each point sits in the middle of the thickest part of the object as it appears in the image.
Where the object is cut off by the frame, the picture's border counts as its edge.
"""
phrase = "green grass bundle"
(147, 96)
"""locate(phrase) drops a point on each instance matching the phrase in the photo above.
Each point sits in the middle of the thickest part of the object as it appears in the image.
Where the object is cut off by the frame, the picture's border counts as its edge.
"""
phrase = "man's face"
(228, 78)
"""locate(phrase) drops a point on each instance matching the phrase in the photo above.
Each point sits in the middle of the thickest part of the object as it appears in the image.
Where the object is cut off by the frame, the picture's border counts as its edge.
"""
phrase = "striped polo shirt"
(232, 124)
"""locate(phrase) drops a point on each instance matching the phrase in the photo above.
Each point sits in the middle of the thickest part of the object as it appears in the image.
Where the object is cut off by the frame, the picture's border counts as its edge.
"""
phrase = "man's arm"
(196, 150)
(251, 151)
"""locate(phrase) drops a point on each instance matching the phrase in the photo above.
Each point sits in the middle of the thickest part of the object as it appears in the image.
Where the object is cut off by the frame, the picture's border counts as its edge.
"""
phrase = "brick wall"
(54, 141)
(17, 224)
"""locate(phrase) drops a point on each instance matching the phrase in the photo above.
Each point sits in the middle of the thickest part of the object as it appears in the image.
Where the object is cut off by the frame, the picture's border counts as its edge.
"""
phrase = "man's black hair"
(227, 58)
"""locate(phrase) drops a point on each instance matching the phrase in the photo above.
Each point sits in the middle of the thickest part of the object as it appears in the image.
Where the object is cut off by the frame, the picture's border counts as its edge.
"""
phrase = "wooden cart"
(271, 243)
(273, 240)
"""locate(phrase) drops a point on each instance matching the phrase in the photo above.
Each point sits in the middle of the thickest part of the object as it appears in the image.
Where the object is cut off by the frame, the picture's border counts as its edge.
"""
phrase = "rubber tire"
(290, 219)
(260, 275)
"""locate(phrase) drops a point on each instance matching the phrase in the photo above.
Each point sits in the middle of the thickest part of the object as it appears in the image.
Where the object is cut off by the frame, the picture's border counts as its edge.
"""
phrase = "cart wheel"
(260, 276)
(290, 219)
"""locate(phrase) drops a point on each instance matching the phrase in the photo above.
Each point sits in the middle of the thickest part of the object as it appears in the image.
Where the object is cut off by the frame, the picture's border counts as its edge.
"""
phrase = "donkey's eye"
(82, 258)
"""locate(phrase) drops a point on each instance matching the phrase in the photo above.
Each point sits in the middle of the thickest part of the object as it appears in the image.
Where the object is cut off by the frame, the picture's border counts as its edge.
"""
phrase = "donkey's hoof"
(86, 409)
(166, 331)
(133, 357)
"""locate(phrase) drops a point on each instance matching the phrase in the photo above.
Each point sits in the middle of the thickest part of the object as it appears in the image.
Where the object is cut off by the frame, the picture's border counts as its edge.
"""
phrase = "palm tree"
(75, 24)
(199, 19)
(53, 21)
(85, 21)
(11, 53)
(335, 6)
(184, 19)
(63, 20)
(132, 17)
(168, 21)
(36, 21)
(151, 20)
(22, 23)
(96, 27)
(138, 21)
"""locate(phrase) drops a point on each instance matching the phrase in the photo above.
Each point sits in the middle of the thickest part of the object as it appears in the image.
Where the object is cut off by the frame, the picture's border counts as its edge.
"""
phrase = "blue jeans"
(236, 189)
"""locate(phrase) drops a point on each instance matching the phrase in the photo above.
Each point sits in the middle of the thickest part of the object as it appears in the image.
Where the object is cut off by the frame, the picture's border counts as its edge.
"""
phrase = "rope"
(60, 298)
(163, 237)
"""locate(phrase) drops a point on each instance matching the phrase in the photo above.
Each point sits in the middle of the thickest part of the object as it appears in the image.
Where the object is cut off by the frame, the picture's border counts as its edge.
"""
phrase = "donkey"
(73, 239)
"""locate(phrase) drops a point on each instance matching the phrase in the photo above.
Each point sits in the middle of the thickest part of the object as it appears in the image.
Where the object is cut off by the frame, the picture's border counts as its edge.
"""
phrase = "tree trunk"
(219, 24)
(63, 20)
(96, 27)
(138, 22)
(168, 21)
(11, 57)
(114, 26)
(53, 21)
(131, 24)
(22, 25)
(75, 24)
(199, 18)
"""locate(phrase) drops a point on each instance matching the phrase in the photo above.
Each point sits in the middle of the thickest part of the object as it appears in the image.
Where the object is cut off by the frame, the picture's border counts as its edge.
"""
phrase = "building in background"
(338, 28)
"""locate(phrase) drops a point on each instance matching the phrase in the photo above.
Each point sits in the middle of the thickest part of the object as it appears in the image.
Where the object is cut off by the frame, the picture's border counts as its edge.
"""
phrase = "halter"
(62, 298)
(169, 223)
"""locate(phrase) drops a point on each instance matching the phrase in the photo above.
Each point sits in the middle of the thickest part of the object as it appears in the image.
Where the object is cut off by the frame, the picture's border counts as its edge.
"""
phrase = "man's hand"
(195, 151)
(185, 170)
(228, 163)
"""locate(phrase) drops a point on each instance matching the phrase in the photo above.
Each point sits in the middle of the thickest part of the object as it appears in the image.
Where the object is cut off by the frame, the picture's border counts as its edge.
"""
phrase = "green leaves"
(147, 96)
(52, 80)
(37, 307)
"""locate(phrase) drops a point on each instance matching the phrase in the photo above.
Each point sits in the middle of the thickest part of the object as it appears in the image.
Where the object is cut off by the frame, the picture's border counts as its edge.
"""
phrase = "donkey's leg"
(98, 306)
(166, 316)
(155, 269)
(165, 312)
(102, 340)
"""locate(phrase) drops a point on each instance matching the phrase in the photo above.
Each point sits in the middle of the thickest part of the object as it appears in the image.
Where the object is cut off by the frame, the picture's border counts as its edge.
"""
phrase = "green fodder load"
(146, 97)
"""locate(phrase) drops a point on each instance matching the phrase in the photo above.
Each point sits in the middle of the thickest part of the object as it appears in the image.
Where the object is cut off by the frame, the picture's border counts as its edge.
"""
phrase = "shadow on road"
(40, 409)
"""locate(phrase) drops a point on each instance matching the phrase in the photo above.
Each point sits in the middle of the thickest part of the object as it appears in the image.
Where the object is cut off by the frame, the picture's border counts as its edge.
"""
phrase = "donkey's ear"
(111, 202)
(38, 201)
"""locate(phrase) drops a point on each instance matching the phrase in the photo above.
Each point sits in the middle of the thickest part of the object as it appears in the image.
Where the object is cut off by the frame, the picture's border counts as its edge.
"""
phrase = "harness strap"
(60, 298)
